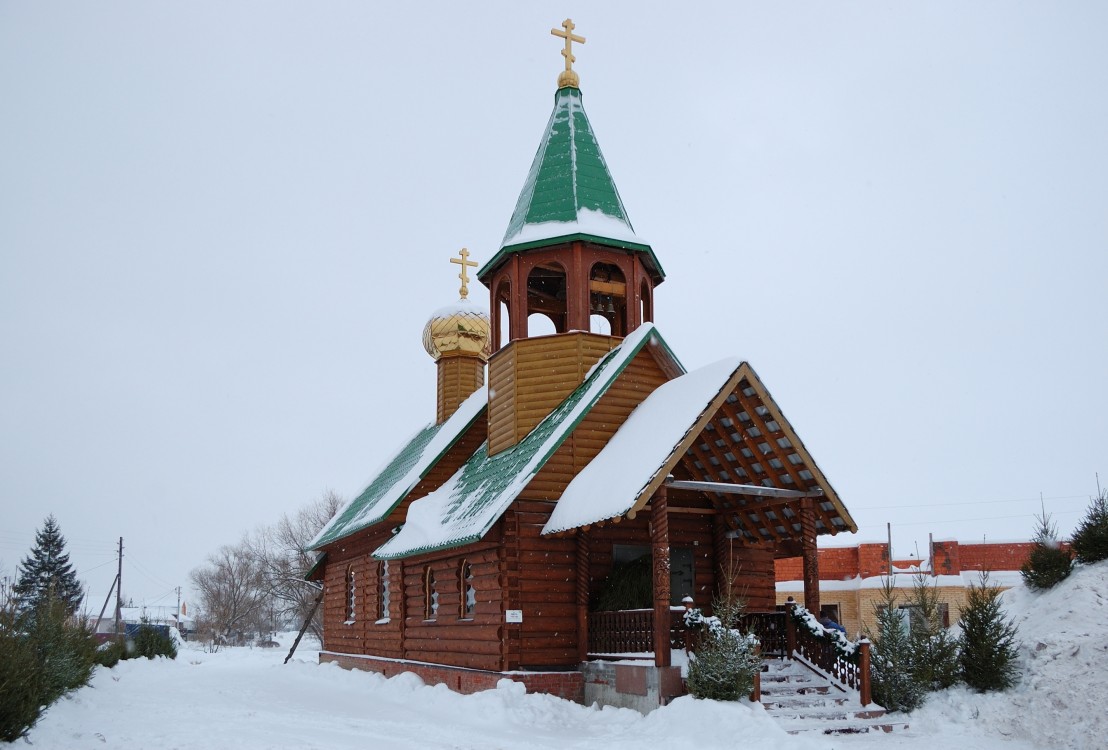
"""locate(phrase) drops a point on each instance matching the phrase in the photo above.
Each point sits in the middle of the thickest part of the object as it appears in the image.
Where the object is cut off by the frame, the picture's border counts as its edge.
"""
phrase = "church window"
(467, 594)
(430, 595)
(383, 593)
(351, 592)
(647, 308)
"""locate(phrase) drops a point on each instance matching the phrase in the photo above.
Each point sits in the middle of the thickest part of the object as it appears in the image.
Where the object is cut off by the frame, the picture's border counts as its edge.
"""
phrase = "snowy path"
(246, 699)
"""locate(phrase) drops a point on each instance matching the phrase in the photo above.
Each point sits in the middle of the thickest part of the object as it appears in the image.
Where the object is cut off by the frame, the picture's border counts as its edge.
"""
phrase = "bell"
(611, 308)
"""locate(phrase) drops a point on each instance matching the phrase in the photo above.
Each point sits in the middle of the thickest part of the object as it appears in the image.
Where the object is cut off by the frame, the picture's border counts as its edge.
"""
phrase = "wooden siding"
(458, 377)
(530, 377)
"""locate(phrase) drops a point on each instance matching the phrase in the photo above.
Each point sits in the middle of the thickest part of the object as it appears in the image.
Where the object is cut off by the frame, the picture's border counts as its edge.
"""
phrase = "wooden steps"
(803, 701)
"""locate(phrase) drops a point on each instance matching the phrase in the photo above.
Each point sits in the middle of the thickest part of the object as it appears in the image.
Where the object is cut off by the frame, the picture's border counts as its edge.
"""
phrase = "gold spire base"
(569, 78)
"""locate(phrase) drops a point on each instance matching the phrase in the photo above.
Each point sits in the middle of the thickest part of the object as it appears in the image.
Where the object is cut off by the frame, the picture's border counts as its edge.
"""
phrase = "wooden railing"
(771, 631)
(825, 656)
(631, 631)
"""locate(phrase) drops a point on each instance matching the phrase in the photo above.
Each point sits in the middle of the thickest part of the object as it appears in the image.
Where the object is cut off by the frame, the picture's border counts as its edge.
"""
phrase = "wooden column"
(721, 546)
(582, 595)
(659, 539)
(517, 310)
(810, 554)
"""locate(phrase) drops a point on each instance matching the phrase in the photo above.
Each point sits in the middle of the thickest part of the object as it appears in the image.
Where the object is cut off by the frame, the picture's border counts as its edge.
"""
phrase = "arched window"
(383, 593)
(546, 294)
(467, 595)
(430, 595)
(351, 592)
(647, 303)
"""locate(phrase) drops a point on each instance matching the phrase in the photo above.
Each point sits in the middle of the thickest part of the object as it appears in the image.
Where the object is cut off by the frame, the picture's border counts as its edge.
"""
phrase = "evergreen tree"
(1090, 540)
(1049, 564)
(934, 648)
(893, 682)
(726, 660)
(988, 642)
(46, 572)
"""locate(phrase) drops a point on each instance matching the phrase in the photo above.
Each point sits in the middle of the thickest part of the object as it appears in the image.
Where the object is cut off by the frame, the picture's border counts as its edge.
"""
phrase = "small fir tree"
(47, 574)
(1090, 540)
(934, 648)
(726, 660)
(152, 640)
(1048, 564)
(988, 642)
(893, 683)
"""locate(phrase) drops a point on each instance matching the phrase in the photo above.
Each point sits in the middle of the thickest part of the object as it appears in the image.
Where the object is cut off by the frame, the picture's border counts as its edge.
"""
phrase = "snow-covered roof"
(401, 473)
(464, 508)
(646, 445)
(569, 193)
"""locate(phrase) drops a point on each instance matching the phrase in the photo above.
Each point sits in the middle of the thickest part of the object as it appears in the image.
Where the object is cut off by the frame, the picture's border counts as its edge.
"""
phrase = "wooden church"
(485, 545)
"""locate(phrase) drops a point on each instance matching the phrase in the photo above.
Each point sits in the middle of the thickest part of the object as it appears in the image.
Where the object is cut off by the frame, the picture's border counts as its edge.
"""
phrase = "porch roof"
(717, 424)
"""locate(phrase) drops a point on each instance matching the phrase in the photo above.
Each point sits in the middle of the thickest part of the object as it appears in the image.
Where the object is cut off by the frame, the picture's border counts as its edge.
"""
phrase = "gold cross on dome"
(466, 264)
(568, 76)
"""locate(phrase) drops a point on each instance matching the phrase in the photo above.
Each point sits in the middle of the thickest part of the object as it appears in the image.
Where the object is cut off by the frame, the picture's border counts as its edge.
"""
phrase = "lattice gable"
(749, 441)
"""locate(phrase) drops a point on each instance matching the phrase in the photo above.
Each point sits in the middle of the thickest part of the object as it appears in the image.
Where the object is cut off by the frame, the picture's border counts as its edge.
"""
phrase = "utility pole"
(889, 531)
(178, 609)
(119, 589)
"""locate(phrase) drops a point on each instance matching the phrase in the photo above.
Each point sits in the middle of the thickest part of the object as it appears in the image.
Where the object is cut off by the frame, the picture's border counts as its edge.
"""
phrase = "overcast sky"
(224, 224)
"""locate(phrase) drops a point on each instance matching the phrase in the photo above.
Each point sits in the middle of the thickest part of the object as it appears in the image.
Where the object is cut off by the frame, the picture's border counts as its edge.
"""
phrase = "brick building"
(851, 578)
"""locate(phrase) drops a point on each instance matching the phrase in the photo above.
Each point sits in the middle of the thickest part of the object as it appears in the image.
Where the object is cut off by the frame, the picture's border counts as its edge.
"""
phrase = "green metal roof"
(569, 193)
(464, 508)
(403, 472)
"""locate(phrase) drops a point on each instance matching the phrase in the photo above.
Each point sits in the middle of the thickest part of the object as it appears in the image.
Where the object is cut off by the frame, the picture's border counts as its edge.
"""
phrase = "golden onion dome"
(462, 328)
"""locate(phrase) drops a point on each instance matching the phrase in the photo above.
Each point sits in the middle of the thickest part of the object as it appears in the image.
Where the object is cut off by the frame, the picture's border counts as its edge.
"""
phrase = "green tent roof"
(569, 193)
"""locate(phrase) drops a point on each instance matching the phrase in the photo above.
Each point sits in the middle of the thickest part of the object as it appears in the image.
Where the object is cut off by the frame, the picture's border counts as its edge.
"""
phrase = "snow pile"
(247, 699)
(1061, 700)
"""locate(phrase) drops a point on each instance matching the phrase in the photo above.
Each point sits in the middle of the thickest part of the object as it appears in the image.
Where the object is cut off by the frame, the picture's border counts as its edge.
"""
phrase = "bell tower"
(571, 255)
(570, 252)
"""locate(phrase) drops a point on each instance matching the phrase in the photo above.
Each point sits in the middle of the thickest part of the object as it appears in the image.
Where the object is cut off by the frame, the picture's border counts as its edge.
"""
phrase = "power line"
(968, 502)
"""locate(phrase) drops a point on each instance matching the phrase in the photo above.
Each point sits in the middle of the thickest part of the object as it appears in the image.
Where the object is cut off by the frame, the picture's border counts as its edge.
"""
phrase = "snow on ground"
(248, 700)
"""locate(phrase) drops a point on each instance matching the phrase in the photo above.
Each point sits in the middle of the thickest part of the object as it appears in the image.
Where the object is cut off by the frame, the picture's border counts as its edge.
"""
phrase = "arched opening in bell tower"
(501, 313)
(646, 301)
(608, 298)
(546, 297)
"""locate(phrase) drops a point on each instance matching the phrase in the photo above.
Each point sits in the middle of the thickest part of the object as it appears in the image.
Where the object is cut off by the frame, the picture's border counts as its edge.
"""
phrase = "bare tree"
(282, 555)
(231, 589)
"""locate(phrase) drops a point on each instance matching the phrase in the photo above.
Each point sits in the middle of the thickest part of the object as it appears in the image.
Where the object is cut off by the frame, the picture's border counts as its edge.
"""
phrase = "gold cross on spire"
(466, 264)
(568, 77)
